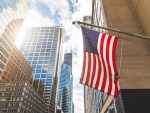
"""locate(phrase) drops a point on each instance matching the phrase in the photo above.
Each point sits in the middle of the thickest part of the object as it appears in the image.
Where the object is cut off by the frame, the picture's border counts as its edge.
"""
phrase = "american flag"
(99, 68)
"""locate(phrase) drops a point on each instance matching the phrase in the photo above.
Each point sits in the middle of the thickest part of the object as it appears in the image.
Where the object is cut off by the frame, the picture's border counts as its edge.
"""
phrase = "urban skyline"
(132, 55)
(35, 18)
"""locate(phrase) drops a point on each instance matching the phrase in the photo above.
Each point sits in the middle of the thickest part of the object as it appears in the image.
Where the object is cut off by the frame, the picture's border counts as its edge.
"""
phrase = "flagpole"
(114, 30)
(108, 101)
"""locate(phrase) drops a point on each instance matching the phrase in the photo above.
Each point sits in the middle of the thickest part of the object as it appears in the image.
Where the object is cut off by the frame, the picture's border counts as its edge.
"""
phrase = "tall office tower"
(68, 59)
(12, 64)
(133, 54)
(16, 93)
(66, 84)
(16, 68)
(42, 48)
(11, 12)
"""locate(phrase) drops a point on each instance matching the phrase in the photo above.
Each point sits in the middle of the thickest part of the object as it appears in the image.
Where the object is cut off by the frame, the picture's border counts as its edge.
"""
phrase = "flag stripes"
(99, 70)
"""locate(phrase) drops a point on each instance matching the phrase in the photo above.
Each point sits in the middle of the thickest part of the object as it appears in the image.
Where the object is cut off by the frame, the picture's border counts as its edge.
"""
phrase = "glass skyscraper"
(12, 13)
(42, 48)
(66, 84)
(12, 10)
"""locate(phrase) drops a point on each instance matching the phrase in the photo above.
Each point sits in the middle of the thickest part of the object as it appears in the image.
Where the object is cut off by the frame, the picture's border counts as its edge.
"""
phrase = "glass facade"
(66, 85)
(11, 10)
(42, 48)
(16, 68)
(12, 13)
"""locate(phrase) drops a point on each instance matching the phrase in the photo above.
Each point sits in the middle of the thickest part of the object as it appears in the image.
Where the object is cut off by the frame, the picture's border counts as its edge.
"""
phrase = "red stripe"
(114, 54)
(89, 68)
(83, 67)
(94, 68)
(101, 52)
(114, 65)
(108, 64)
(99, 73)
(116, 87)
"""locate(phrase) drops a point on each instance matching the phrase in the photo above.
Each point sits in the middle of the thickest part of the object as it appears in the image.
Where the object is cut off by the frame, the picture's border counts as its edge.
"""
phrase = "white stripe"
(102, 74)
(91, 70)
(86, 68)
(105, 62)
(102, 67)
(96, 72)
(99, 42)
(111, 63)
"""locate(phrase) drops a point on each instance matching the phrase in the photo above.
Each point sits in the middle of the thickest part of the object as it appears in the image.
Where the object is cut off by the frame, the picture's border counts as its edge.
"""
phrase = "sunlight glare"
(21, 35)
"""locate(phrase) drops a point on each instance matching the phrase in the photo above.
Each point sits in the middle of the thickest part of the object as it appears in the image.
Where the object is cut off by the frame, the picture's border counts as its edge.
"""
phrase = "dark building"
(68, 59)
(59, 110)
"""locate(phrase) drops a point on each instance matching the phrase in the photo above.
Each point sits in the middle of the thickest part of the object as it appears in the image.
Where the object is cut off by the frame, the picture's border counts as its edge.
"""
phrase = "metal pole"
(114, 30)
(108, 101)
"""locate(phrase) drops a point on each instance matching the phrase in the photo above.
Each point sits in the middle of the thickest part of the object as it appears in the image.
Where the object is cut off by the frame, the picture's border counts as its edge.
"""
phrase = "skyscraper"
(42, 48)
(66, 84)
(12, 64)
(16, 92)
(68, 59)
(11, 13)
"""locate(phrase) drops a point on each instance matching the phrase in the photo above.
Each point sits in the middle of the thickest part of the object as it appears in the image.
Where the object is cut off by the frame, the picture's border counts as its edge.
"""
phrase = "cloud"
(43, 8)
(34, 19)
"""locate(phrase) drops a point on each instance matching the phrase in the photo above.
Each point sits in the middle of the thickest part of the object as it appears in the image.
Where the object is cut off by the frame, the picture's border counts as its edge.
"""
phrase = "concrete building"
(132, 16)
(134, 60)
(42, 48)
(20, 97)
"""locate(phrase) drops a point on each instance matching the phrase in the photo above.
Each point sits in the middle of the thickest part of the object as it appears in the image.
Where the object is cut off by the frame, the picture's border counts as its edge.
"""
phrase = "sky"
(62, 13)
